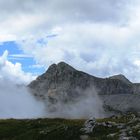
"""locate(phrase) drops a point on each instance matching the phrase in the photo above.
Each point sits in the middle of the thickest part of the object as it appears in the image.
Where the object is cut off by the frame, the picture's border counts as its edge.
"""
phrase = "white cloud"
(99, 49)
(17, 102)
(15, 99)
(13, 72)
(36, 66)
(29, 17)
(20, 56)
(7, 37)
(97, 36)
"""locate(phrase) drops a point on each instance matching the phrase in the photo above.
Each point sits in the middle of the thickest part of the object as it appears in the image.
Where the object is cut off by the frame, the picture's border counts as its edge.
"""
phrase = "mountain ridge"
(62, 82)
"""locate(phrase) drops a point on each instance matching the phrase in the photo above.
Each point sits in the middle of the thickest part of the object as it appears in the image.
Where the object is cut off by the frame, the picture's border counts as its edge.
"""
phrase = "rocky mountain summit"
(121, 78)
(61, 82)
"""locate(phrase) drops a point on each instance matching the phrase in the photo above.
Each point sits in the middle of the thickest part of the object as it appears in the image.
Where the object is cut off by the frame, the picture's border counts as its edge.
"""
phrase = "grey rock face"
(89, 126)
(121, 78)
(63, 82)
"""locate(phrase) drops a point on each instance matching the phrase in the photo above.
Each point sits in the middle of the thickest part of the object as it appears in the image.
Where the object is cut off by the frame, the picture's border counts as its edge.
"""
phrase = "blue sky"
(16, 55)
(100, 37)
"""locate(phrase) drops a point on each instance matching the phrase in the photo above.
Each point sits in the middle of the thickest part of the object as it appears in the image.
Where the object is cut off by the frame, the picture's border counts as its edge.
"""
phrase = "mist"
(86, 105)
(17, 102)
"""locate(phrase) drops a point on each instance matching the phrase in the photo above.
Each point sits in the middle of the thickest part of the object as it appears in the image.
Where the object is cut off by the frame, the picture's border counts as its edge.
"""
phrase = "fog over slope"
(17, 102)
(68, 92)
(86, 105)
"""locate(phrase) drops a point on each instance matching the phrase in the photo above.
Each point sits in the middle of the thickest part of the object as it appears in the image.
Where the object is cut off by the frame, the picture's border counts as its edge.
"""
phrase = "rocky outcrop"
(89, 126)
(61, 82)
(121, 78)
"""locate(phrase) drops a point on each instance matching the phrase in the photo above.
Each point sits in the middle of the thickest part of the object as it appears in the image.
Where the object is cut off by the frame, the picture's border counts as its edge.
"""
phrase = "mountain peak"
(120, 77)
(63, 65)
(60, 67)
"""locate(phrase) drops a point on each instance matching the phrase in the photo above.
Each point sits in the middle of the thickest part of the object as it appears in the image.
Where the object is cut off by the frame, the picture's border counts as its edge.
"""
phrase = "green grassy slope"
(61, 129)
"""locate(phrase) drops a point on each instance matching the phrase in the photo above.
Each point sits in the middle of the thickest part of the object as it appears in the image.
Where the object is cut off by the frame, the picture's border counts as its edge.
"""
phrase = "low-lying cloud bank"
(17, 102)
(86, 105)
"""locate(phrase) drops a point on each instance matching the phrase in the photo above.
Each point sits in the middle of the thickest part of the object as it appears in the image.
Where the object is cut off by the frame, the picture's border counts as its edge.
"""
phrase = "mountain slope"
(63, 83)
(121, 78)
(64, 77)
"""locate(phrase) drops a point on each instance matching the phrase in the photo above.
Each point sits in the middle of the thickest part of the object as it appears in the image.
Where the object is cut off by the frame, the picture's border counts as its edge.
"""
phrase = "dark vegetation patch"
(62, 129)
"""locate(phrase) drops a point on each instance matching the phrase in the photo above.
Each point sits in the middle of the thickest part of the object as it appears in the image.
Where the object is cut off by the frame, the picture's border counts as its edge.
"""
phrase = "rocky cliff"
(61, 82)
